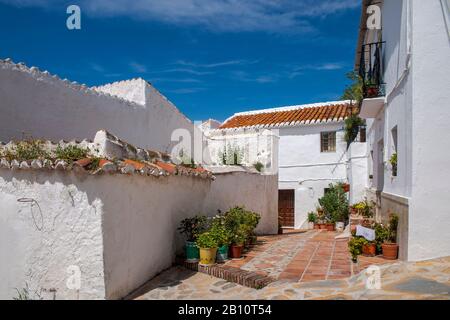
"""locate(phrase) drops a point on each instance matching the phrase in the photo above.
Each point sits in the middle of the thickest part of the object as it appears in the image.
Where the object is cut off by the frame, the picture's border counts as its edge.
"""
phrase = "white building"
(409, 60)
(311, 153)
(39, 104)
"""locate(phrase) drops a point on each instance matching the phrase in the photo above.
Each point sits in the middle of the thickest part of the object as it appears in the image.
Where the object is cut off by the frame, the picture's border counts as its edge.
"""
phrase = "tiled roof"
(290, 116)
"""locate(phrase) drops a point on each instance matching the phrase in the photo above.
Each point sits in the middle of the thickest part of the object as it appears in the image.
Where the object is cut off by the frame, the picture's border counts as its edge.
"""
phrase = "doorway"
(286, 208)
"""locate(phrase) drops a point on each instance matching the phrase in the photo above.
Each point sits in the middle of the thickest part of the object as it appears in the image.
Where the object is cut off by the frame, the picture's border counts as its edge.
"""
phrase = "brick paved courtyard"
(303, 257)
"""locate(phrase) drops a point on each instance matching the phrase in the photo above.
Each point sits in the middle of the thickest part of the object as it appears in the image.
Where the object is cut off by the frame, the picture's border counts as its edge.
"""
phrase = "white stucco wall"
(300, 160)
(44, 106)
(38, 246)
(119, 229)
(417, 77)
(429, 211)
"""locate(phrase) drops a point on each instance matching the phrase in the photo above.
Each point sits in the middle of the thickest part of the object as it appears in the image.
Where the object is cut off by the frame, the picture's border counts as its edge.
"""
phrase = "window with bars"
(328, 141)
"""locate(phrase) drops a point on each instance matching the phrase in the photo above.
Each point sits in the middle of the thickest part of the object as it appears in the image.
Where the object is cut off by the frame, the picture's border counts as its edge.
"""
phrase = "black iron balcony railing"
(371, 69)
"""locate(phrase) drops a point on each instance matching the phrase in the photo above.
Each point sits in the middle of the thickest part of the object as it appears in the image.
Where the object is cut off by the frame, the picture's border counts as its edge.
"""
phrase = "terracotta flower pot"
(316, 226)
(369, 250)
(236, 251)
(330, 226)
(346, 187)
(390, 251)
(322, 226)
(372, 92)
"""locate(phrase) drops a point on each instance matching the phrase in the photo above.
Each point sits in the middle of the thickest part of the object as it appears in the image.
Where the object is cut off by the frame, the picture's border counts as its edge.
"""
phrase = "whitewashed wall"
(429, 210)
(119, 229)
(300, 160)
(44, 106)
(37, 246)
(417, 78)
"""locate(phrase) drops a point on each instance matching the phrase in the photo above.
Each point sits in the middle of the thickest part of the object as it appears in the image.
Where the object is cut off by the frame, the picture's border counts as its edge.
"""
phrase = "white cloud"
(217, 15)
(137, 67)
(215, 64)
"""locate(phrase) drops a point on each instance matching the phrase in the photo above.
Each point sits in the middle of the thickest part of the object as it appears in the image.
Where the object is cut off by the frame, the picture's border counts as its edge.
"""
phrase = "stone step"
(245, 278)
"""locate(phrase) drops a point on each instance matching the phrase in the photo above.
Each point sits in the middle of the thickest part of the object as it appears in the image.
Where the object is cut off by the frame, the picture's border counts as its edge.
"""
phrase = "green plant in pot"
(390, 246)
(355, 246)
(207, 242)
(312, 220)
(222, 236)
(335, 205)
(238, 241)
(192, 228)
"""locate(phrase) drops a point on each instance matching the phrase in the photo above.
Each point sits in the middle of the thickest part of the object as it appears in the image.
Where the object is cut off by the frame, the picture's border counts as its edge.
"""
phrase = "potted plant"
(191, 228)
(369, 249)
(222, 236)
(207, 243)
(390, 246)
(346, 187)
(312, 219)
(372, 90)
(335, 205)
(355, 247)
(238, 243)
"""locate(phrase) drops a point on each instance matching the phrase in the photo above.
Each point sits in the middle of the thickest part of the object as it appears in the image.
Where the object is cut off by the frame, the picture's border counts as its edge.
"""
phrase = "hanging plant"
(351, 128)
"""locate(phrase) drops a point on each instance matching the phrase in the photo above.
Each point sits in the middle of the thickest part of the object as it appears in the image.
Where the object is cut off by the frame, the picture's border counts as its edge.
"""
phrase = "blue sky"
(210, 57)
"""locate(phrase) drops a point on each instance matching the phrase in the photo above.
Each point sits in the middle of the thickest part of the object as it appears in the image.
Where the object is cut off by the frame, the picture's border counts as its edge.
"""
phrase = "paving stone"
(423, 286)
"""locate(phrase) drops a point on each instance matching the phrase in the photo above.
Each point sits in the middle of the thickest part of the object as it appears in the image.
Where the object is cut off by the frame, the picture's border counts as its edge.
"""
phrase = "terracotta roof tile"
(316, 114)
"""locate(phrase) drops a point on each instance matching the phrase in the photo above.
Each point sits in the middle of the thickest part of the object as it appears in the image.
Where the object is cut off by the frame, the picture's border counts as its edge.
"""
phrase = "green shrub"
(241, 223)
(219, 231)
(355, 247)
(335, 204)
(206, 240)
(312, 217)
(192, 227)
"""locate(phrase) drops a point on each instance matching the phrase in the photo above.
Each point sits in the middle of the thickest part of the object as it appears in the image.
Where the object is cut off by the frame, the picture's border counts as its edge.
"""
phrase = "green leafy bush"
(312, 217)
(241, 223)
(206, 240)
(355, 247)
(335, 204)
(192, 227)
(219, 231)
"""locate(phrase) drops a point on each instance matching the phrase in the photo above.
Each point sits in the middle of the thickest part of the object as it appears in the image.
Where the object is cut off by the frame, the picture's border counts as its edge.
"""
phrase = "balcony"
(371, 70)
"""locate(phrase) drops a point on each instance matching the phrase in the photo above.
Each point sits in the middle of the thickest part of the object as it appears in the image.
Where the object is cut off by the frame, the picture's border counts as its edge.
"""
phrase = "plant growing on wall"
(351, 128)
(28, 149)
(258, 166)
(71, 153)
(231, 155)
(393, 162)
(186, 160)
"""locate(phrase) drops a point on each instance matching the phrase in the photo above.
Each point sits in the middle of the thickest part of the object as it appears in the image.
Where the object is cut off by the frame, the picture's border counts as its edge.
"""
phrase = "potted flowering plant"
(238, 241)
(207, 242)
(192, 228)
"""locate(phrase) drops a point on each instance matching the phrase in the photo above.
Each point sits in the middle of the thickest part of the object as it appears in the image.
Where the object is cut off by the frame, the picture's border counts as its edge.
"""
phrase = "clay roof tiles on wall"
(288, 116)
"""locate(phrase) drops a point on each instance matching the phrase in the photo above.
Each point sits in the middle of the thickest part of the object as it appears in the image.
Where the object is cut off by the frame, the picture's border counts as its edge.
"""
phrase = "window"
(393, 159)
(328, 141)
(362, 134)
